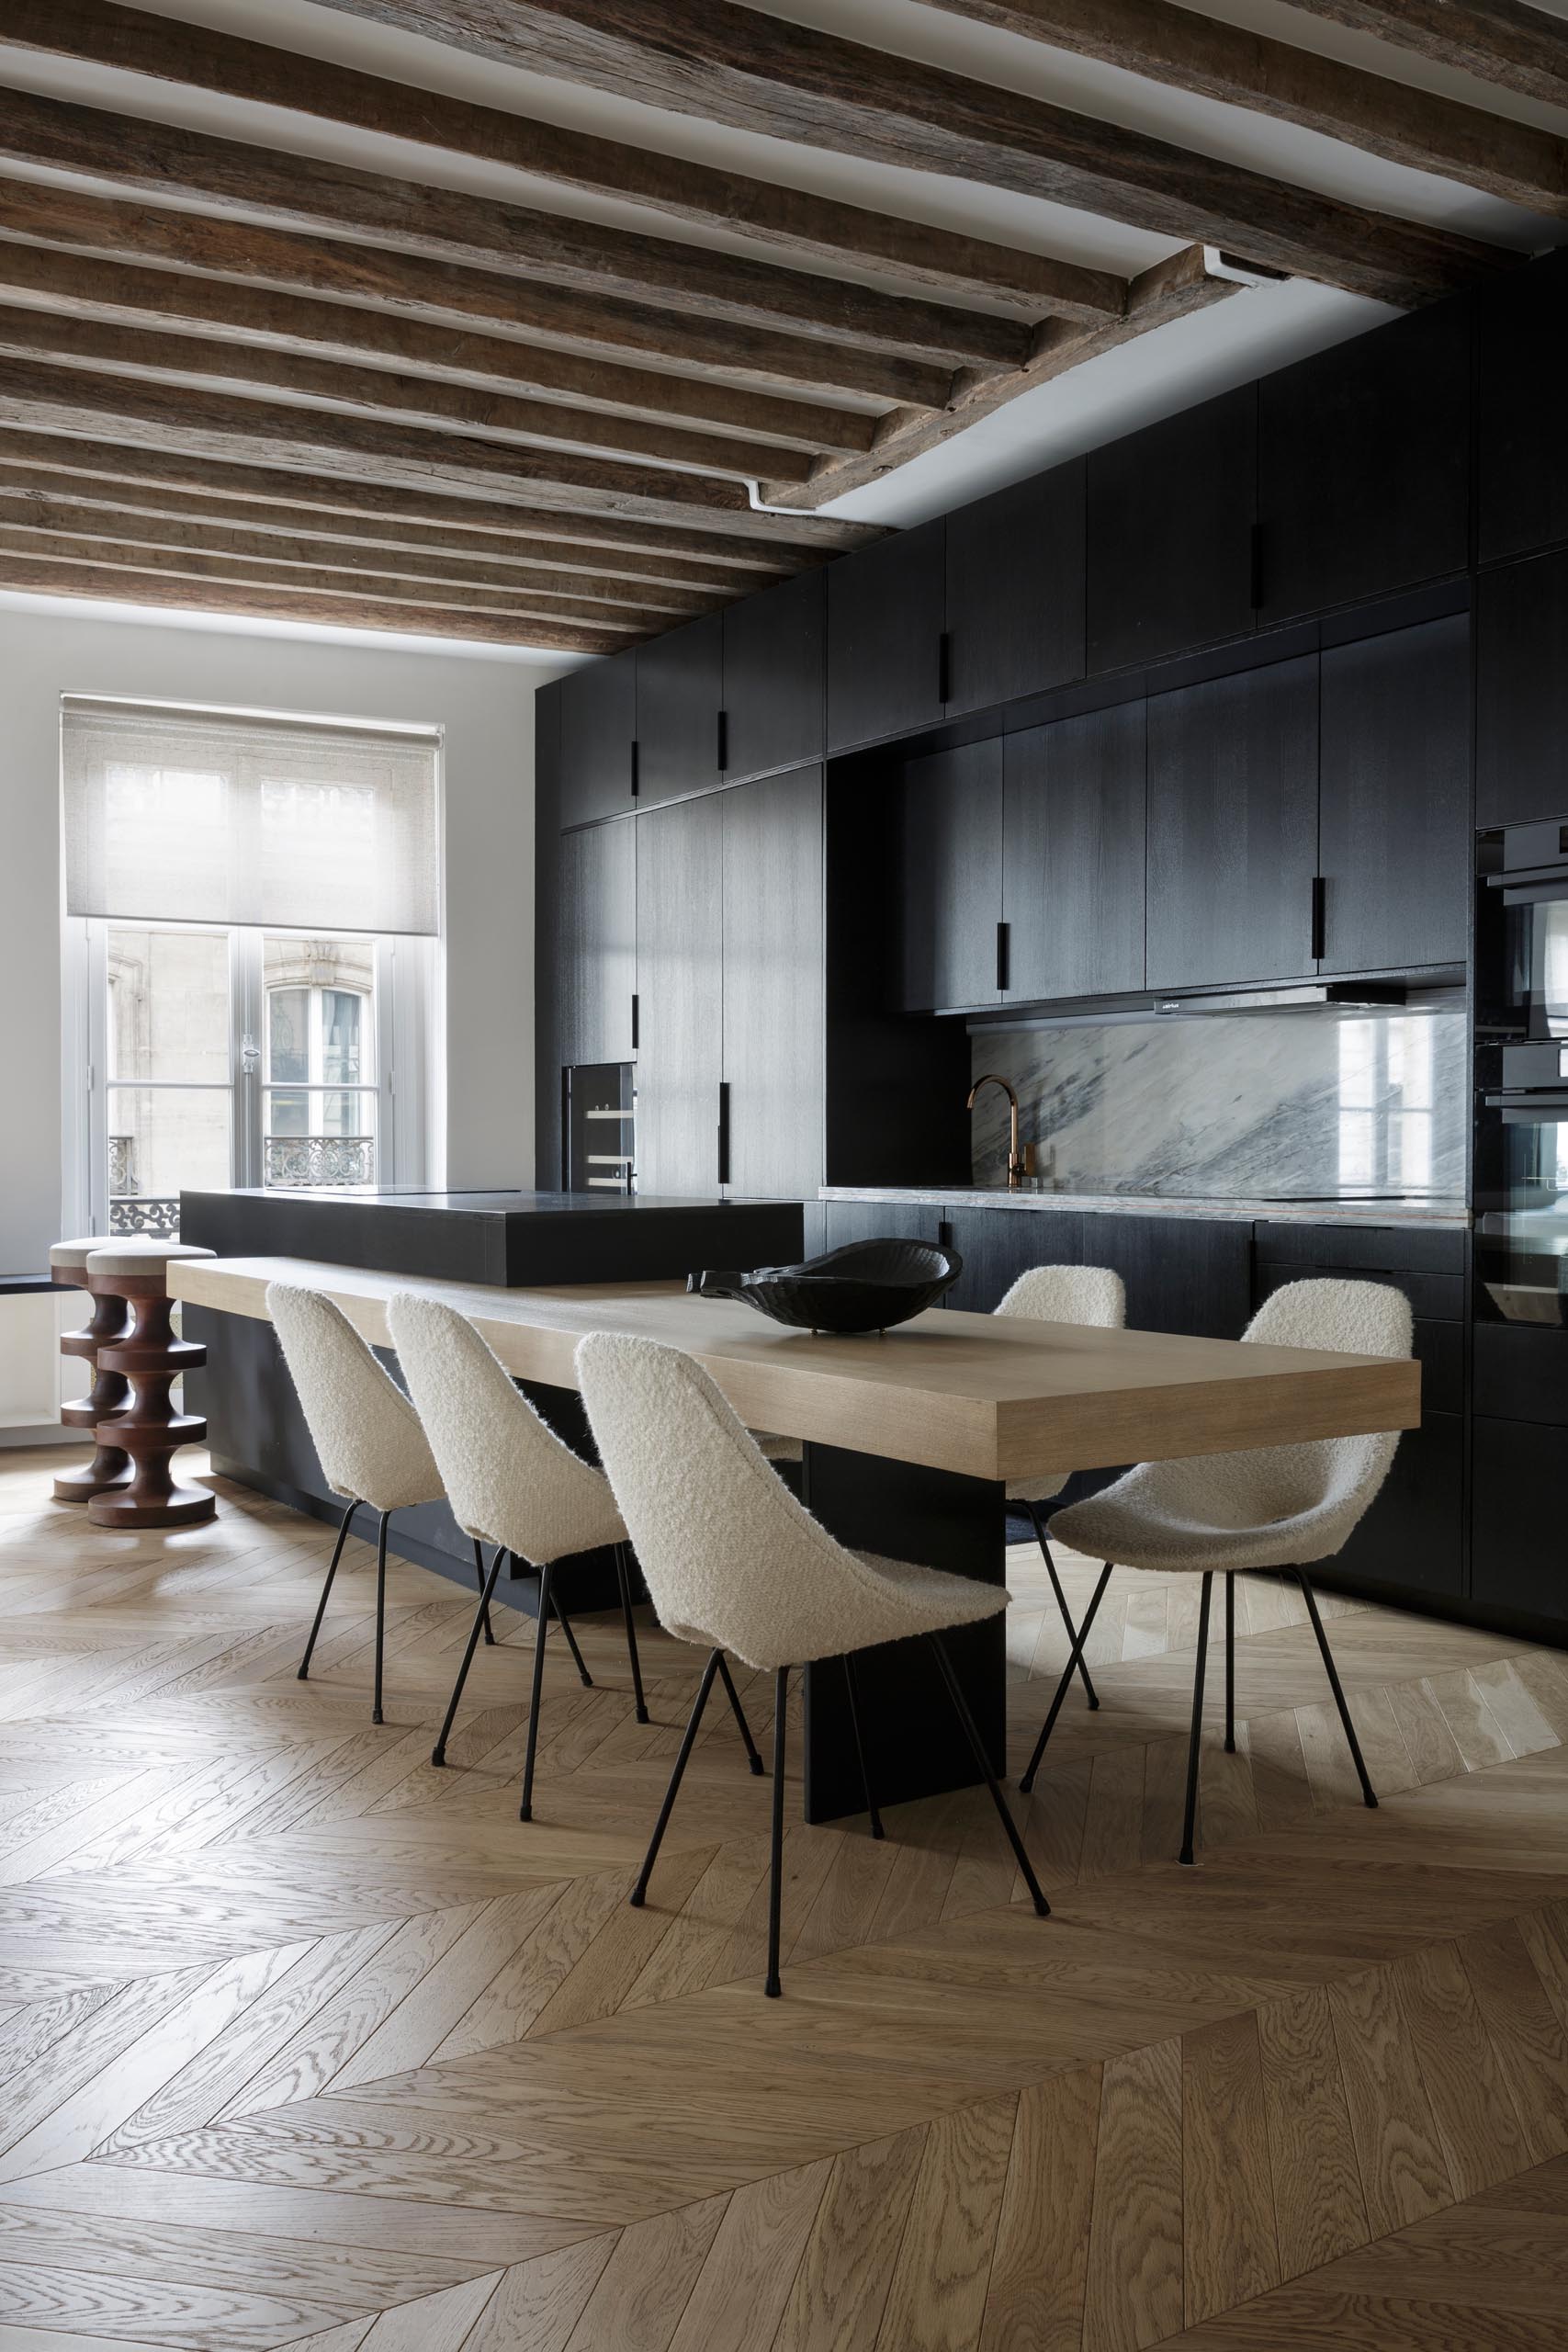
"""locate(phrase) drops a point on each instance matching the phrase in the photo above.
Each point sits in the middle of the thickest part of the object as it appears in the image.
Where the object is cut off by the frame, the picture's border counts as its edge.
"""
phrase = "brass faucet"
(1015, 1158)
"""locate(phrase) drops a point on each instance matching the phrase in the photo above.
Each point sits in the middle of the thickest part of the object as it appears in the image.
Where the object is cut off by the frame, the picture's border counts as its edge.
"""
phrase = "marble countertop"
(1414, 1210)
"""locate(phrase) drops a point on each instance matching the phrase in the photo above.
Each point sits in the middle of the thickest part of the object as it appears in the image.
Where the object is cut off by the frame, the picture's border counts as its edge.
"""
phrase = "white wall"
(482, 696)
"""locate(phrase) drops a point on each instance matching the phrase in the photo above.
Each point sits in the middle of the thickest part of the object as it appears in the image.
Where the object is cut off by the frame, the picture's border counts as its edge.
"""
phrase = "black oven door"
(1521, 1192)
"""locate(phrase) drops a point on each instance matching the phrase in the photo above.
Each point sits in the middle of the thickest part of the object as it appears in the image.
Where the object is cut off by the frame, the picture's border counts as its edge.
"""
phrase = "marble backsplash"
(1294, 1105)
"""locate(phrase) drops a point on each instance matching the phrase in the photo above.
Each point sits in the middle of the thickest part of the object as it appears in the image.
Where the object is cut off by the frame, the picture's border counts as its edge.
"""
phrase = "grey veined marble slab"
(1442, 1211)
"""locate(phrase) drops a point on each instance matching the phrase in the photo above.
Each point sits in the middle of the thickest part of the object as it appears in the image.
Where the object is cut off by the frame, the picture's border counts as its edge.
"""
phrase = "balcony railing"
(319, 1161)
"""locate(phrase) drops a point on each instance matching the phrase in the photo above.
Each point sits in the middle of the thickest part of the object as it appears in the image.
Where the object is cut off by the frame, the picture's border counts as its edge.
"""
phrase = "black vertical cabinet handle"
(724, 1131)
(944, 667)
(721, 754)
(636, 767)
(637, 1011)
(1319, 917)
(1004, 956)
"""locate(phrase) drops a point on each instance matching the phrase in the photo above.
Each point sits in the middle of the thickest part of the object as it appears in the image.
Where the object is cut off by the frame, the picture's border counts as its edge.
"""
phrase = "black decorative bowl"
(865, 1286)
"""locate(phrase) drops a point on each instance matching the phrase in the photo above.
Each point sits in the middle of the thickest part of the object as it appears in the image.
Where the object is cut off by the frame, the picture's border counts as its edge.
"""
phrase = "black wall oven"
(1521, 1141)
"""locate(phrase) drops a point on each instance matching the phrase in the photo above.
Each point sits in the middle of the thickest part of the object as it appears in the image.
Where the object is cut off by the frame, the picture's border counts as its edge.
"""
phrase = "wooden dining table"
(909, 1439)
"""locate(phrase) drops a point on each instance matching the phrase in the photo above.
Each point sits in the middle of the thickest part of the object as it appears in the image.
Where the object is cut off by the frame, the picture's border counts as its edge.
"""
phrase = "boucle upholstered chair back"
(509, 1478)
(365, 1430)
(1088, 1294)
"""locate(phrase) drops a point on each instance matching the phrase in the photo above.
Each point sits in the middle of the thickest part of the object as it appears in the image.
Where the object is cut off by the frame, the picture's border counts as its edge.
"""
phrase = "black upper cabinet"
(1521, 719)
(773, 985)
(680, 955)
(1073, 855)
(597, 918)
(1363, 465)
(951, 878)
(1394, 846)
(774, 665)
(1015, 591)
(680, 693)
(1170, 515)
(598, 726)
(1233, 827)
(886, 614)
(1521, 447)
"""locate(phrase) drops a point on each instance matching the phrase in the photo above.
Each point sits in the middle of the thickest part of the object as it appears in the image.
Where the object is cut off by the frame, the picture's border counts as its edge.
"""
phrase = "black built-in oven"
(1522, 1138)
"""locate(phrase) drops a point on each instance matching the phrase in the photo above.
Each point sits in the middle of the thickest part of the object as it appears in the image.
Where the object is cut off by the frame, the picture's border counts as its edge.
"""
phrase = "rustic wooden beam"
(298, 191)
(101, 581)
(134, 352)
(792, 219)
(1515, 161)
(1518, 48)
(783, 544)
(756, 72)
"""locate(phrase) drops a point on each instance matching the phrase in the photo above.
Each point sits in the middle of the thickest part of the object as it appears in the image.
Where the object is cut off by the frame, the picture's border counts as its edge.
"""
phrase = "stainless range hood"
(1308, 996)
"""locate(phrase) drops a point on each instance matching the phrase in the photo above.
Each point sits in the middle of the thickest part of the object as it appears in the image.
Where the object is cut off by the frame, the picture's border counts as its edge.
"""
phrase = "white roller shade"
(177, 816)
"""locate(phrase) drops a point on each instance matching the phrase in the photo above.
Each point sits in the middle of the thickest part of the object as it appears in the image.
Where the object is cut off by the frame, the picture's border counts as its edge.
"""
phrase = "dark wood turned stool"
(148, 1429)
(110, 1391)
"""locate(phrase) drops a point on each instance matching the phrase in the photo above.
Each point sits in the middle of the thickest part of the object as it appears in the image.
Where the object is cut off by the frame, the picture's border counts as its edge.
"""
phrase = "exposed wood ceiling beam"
(412, 287)
(259, 371)
(1515, 161)
(1498, 40)
(756, 73)
(840, 235)
(191, 592)
(781, 545)
(300, 192)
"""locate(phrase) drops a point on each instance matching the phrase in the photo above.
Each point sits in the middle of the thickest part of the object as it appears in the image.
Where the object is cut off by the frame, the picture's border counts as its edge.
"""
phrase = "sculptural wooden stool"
(148, 1429)
(110, 1392)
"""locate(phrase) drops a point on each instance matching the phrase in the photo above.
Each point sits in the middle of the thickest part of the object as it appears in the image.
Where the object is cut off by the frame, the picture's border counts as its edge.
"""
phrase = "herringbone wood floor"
(308, 2042)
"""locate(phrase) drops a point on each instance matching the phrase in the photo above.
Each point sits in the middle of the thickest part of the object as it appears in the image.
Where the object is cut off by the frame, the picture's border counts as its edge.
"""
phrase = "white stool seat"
(134, 1256)
(70, 1257)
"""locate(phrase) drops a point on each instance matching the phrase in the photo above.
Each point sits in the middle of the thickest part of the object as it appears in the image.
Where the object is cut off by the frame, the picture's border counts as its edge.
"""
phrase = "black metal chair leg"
(624, 1580)
(849, 1684)
(1027, 1779)
(1190, 1818)
(563, 1622)
(738, 1712)
(1368, 1795)
(482, 1618)
(1230, 1662)
(771, 1984)
(380, 1609)
(1033, 1509)
(955, 1691)
(484, 1588)
(541, 1628)
(640, 1892)
(326, 1589)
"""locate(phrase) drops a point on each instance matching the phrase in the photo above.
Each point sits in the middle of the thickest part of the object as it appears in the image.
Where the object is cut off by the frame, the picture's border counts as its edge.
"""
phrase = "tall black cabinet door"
(1015, 600)
(774, 1009)
(680, 692)
(1233, 827)
(886, 610)
(598, 726)
(774, 675)
(1363, 465)
(598, 942)
(1522, 332)
(1073, 855)
(680, 955)
(1396, 850)
(951, 878)
(1521, 717)
(1170, 513)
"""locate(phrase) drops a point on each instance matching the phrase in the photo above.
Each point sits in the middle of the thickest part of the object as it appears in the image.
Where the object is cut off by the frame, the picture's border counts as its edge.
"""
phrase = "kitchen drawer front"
(1434, 1298)
(1521, 1375)
(1379, 1248)
(1518, 1557)
(997, 1244)
(847, 1221)
(1412, 1538)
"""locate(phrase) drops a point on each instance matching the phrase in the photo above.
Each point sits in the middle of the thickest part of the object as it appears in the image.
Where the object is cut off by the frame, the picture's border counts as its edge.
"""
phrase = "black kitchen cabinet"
(1412, 1539)
(1521, 717)
(847, 1221)
(1363, 465)
(950, 872)
(1073, 827)
(1521, 336)
(1521, 1375)
(773, 985)
(1169, 535)
(680, 693)
(598, 942)
(1015, 591)
(1396, 850)
(774, 665)
(680, 955)
(598, 729)
(1233, 827)
(886, 616)
(1515, 1519)
(997, 1244)
(1183, 1273)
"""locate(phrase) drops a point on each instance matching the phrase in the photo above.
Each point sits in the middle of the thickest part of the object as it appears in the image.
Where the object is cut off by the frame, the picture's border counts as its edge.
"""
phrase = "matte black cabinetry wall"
(886, 614)
(774, 653)
(680, 693)
(950, 878)
(1521, 719)
(1014, 614)
(1521, 447)
(1170, 516)
(598, 733)
(1519, 1443)
(1073, 855)
(597, 915)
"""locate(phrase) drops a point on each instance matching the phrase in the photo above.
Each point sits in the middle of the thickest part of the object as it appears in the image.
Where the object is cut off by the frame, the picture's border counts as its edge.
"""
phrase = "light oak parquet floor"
(305, 2042)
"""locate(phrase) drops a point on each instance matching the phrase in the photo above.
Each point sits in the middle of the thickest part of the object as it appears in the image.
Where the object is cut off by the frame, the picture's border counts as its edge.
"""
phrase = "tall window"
(286, 1045)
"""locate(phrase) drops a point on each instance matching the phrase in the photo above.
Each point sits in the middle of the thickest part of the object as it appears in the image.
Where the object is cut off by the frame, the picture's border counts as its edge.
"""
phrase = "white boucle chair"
(732, 1560)
(1272, 1507)
(513, 1483)
(366, 1436)
(1088, 1295)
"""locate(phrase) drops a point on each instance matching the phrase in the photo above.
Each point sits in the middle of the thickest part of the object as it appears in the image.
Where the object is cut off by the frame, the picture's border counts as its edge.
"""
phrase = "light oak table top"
(992, 1396)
